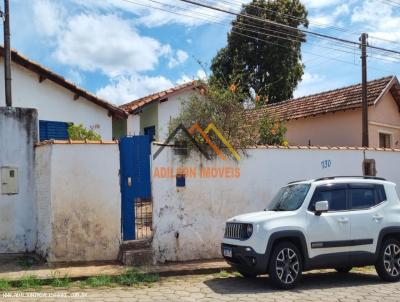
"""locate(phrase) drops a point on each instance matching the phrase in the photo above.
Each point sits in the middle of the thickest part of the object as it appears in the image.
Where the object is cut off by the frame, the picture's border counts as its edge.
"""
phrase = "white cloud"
(183, 79)
(75, 76)
(126, 89)
(162, 12)
(109, 44)
(330, 18)
(48, 17)
(180, 58)
(320, 3)
(381, 21)
(200, 75)
(311, 83)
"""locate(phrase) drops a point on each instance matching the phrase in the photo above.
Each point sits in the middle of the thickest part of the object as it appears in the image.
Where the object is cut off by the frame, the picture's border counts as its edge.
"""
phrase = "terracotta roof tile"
(329, 101)
(56, 78)
(72, 142)
(136, 105)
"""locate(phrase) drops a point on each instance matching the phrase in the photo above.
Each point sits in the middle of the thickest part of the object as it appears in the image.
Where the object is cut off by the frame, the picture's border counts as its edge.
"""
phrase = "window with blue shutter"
(53, 130)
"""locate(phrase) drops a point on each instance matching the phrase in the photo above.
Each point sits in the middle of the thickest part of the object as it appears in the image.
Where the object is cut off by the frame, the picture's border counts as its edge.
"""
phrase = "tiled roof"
(294, 147)
(46, 74)
(330, 101)
(138, 104)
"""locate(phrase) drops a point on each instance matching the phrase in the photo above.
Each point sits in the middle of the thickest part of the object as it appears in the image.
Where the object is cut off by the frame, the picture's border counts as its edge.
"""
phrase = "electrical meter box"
(9, 180)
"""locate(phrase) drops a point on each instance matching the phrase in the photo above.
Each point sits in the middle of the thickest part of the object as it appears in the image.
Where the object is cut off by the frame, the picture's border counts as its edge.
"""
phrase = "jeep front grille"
(234, 230)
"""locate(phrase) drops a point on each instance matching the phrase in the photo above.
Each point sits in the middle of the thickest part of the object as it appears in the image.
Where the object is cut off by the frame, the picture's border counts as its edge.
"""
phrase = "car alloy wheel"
(391, 260)
(287, 266)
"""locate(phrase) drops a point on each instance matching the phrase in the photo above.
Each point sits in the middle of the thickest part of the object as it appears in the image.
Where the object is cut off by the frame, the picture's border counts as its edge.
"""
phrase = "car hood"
(256, 217)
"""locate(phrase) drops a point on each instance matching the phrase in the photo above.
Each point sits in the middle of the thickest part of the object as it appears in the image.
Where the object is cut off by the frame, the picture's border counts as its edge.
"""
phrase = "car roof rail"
(293, 182)
(363, 177)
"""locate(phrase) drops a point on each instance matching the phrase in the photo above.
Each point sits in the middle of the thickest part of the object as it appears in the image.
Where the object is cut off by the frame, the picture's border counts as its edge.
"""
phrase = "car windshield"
(289, 198)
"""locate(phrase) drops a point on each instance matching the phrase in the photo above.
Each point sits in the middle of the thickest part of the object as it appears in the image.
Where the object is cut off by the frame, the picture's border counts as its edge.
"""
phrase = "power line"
(249, 36)
(250, 25)
(296, 37)
(287, 26)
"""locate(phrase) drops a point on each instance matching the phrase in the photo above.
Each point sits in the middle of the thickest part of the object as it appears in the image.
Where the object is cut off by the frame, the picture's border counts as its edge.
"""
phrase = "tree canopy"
(262, 59)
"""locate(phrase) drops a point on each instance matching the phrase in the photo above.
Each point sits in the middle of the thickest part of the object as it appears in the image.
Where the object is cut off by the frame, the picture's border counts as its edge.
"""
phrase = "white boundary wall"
(189, 222)
(18, 134)
(78, 202)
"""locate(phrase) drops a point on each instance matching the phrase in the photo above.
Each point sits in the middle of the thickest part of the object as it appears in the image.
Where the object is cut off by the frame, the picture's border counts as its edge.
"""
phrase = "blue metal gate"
(135, 179)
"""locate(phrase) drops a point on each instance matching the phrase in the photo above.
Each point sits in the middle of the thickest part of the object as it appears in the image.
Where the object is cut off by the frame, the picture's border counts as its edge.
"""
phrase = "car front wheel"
(388, 263)
(285, 265)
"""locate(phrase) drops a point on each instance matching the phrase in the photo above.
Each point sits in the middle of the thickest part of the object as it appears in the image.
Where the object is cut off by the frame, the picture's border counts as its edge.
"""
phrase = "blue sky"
(121, 51)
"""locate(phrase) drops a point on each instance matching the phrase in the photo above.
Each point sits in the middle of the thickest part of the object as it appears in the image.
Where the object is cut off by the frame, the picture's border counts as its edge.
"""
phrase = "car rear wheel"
(285, 265)
(388, 263)
(343, 270)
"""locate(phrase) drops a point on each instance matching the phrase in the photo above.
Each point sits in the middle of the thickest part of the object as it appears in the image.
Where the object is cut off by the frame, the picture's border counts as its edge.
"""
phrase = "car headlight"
(249, 230)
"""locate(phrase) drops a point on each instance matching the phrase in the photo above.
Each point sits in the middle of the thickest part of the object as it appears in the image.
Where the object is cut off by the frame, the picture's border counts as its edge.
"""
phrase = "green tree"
(223, 107)
(272, 131)
(79, 132)
(265, 71)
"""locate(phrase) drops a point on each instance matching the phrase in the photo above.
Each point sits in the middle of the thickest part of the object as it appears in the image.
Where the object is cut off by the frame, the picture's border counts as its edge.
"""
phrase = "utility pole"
(364, 43)
(7, 53)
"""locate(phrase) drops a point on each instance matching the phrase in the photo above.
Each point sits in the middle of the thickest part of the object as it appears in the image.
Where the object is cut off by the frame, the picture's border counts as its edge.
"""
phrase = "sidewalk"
(15, 267)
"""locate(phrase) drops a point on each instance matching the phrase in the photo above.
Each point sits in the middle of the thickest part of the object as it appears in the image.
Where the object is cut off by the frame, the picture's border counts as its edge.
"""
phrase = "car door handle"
(343, 220)
(377, 217)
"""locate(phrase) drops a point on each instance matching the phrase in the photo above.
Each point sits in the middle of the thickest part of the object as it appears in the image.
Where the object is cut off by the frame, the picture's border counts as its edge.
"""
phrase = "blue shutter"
(53, 130)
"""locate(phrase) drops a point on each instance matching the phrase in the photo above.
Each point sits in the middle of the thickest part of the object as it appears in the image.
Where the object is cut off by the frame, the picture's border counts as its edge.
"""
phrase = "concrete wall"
(384, 117)
(334, 129)
(198, 211)
(148, 118)
(84, 201)
(343, 128)
(169, 110)
(159, 115)
(18, 134)
(53, 102)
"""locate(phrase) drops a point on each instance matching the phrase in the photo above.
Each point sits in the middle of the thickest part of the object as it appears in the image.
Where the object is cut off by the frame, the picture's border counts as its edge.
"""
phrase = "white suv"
(333, 222)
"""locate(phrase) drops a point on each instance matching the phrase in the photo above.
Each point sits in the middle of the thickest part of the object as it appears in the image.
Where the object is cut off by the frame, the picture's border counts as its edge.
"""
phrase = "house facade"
(334, 118)
(152, 114)
(58, 101)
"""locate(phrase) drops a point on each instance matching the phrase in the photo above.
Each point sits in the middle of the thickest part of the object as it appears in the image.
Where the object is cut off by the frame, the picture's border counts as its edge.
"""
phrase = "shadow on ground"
(309, 281)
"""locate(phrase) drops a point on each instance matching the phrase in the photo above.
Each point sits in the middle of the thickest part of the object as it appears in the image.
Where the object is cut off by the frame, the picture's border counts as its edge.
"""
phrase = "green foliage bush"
(79, 132)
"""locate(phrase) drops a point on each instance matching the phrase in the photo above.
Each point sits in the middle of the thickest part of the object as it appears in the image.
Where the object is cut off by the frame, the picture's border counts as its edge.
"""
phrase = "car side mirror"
(321, 207)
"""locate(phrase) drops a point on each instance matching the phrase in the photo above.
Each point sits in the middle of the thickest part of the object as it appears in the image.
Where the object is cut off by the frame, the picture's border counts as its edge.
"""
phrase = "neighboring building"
(58, 101)
(334, 118)
(151, 115)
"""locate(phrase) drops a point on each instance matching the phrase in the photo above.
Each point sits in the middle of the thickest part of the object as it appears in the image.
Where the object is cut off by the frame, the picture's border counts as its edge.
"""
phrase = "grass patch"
(27, 282)
(237, 274)
(133, 277)
(130, 278)
(223, 274)
(59, 281)
(98, 281)
(4, 284)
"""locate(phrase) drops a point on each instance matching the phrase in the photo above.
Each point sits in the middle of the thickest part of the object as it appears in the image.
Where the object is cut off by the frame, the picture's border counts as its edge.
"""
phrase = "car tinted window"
(289, 198)
(381, 194)
(336, 198)
(362, 198)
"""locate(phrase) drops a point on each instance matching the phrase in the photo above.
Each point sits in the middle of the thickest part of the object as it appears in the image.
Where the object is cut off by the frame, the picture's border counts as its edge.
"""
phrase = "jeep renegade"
(332, 222)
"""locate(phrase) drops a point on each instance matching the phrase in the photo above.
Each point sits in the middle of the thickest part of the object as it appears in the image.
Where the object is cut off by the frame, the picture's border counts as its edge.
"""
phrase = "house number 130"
(326, 164)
